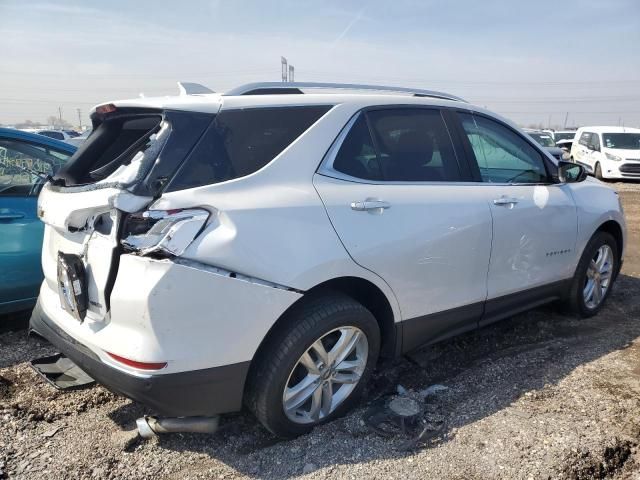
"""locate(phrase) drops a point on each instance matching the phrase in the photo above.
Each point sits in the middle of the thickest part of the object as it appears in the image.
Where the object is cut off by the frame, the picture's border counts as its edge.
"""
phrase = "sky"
(535, 62)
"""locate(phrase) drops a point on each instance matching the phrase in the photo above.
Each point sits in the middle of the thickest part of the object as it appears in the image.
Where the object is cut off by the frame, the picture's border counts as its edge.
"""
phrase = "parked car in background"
(80, 139)
(265, 246)
(62, 135)
(564, 140)
(25, 160)
(608, 152)
(545, 139)
(563, 135)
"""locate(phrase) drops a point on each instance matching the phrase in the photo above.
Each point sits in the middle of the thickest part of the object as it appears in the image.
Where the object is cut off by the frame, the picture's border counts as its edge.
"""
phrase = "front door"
(582, 152)
(397, 205)
(534, 220)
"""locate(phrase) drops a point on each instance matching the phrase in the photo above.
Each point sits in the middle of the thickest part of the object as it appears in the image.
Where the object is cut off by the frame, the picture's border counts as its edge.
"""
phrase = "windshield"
(564, 136)
(628, 141)
(543, 139)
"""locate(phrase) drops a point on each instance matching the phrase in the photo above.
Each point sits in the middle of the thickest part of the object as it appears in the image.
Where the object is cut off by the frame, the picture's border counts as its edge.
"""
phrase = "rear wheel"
(315, 366)
(594, 277)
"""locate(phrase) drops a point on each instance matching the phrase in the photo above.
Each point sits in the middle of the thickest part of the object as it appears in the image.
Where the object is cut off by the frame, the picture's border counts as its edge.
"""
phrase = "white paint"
(437, 247)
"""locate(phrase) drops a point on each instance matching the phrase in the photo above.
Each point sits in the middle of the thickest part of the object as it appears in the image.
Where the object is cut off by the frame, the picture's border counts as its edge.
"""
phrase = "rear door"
(20, 228)
(392, 186)
(534, 219)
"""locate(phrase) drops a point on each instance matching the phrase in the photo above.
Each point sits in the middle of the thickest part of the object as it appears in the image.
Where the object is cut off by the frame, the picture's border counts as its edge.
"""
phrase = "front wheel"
(316, 365)
(599, 172)
(594, 276)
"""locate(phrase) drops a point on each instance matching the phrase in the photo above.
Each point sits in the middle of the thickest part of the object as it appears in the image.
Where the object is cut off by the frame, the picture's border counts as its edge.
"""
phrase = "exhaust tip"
(144, 429)
(149, 427)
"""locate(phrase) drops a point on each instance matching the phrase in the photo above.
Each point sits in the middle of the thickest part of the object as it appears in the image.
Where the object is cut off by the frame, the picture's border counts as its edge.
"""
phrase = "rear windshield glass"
(240, 142)
(115, 142)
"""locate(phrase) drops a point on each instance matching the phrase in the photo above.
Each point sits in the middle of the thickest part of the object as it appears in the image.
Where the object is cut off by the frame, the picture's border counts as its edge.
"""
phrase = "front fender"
(596, 204)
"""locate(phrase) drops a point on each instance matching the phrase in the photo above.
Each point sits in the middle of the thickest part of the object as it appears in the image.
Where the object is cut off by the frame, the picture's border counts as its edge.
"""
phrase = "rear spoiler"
(189, 88)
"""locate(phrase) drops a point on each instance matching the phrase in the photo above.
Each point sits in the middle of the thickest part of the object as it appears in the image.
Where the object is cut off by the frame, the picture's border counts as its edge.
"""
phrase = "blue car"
(26, 159)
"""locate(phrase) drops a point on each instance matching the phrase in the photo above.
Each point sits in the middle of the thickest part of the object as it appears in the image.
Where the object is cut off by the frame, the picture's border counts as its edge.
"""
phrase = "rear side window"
(241, 142)
(357, 156)
(408, 145)
(413, 146)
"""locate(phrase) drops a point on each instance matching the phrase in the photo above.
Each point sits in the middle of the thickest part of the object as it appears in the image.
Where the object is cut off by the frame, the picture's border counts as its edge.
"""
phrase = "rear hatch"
(123, 166)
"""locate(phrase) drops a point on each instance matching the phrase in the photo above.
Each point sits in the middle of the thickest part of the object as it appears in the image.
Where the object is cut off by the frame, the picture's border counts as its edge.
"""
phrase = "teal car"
(26, 160)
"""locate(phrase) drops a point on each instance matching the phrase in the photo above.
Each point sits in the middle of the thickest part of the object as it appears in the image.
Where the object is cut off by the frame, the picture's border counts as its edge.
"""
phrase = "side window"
(413, 145)
(22, 164)
(503, 156)
(241, 142)
(595, 141)
(585, 139)
(357, 156)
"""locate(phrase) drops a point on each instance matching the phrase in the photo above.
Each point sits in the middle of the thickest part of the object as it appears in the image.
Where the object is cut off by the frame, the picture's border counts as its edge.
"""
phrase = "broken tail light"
(163, 232)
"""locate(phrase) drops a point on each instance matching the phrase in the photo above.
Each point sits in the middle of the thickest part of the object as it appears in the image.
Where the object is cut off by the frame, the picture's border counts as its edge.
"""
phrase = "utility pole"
(285, 70)
(60, 117)
(566, 117)
(79, 118)
(291, 70)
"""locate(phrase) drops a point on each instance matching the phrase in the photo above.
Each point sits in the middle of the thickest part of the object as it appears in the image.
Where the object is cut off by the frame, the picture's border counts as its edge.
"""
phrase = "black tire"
(598, 171)
(305, 323)
(575, 301)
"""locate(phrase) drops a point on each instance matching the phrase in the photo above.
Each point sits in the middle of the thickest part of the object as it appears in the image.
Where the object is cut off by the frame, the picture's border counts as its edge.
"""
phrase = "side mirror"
(569, 172)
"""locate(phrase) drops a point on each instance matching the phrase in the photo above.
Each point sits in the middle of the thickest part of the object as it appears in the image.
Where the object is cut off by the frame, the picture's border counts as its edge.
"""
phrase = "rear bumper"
(198, 392)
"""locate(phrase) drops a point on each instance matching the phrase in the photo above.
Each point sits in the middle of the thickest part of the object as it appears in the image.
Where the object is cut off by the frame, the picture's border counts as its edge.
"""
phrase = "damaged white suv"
(265, 246)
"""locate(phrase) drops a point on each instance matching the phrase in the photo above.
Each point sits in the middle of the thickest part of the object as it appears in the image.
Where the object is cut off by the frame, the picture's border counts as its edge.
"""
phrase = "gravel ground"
(542, 395)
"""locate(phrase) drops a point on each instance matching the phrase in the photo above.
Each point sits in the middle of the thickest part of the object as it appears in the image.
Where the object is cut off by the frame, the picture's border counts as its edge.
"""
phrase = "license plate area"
(72, 285)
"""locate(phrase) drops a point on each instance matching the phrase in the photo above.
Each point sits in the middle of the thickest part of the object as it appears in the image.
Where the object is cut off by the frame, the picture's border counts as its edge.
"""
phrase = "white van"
(608, 152)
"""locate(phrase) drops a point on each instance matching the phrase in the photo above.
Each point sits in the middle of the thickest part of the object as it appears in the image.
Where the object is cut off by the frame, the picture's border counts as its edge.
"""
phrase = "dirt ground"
(542, 395)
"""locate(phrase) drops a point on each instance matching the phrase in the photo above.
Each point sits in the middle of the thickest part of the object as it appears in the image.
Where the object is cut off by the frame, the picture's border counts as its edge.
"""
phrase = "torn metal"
(230, 274)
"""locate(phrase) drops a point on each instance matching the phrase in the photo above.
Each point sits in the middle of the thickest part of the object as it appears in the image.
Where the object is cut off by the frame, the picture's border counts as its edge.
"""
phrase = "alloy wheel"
(325, 375)
(598, 277)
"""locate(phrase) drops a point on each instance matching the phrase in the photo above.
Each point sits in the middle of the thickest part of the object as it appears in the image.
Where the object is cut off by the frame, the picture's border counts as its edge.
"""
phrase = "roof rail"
(282, 88)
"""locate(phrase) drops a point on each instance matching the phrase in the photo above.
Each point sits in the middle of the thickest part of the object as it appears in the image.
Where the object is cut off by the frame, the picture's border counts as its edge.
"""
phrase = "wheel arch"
(615, 230)
(361, 290)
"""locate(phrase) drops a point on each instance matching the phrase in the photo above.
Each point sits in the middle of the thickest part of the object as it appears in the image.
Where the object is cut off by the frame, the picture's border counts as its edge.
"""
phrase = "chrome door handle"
(368, 205)
(505, 201)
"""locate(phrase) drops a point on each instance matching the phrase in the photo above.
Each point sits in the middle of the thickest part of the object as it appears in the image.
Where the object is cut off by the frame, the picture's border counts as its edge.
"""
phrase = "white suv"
(608, 152)
(267, 245)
